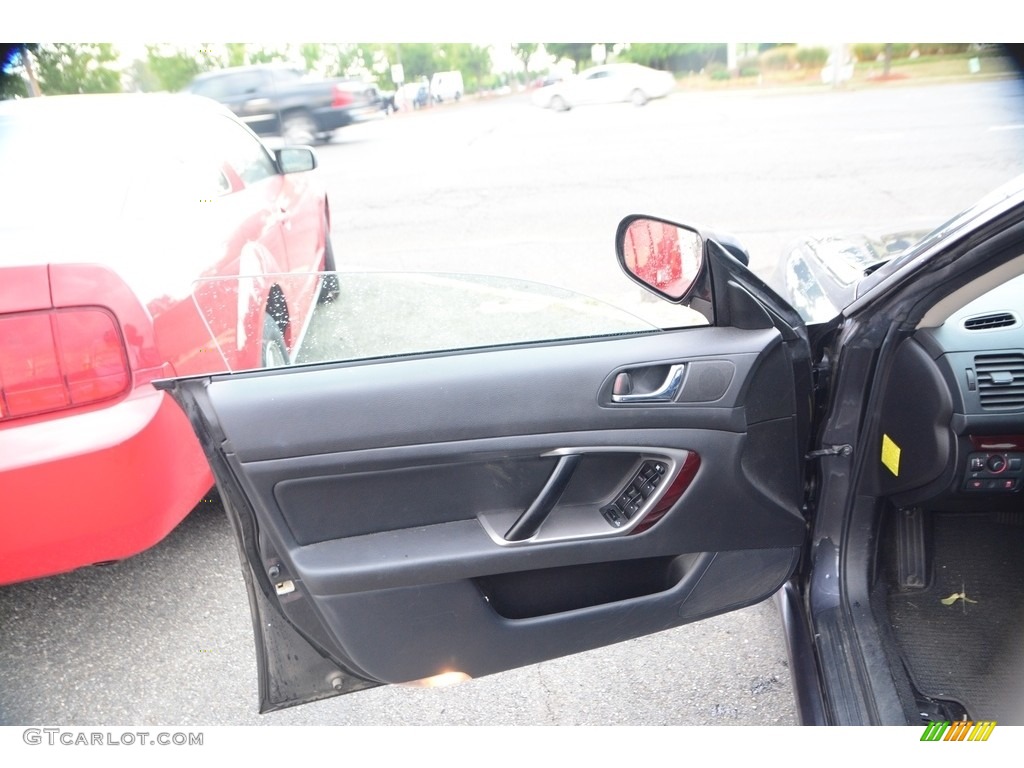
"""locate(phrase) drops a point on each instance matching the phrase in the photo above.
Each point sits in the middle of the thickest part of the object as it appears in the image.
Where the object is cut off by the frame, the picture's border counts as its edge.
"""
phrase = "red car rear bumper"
(96, 486)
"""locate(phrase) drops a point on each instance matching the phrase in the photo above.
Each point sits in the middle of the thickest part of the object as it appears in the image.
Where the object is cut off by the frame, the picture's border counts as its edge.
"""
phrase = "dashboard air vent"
(1000, 380)
(989, 321)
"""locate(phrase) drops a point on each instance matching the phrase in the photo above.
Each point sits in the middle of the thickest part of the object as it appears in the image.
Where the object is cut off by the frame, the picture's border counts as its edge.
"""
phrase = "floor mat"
(972, 650)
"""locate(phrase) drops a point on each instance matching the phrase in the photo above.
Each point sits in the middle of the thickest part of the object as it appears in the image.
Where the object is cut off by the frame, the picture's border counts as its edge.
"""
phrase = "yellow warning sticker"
(891, 455)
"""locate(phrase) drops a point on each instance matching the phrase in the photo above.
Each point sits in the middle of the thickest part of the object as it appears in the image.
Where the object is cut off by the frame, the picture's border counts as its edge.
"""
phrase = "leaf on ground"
(956, 596)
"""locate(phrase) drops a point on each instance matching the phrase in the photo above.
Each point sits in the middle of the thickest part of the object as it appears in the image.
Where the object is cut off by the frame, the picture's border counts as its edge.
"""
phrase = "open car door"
(468, 512)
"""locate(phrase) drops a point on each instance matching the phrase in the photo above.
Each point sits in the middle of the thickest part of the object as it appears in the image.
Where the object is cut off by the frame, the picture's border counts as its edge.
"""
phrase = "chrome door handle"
(665, 393)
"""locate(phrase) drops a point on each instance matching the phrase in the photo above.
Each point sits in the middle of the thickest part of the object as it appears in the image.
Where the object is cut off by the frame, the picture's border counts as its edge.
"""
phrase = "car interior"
(947, 591)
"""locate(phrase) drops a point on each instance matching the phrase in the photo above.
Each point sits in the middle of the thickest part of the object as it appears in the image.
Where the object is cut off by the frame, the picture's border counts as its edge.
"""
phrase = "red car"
(113, 207)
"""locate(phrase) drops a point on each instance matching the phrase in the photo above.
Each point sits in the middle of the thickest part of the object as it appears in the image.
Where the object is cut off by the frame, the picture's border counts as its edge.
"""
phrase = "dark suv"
(281, 100)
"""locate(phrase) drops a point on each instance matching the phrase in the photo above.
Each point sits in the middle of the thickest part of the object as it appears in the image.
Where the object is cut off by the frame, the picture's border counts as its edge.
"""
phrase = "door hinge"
(832, 450)
(819, 374)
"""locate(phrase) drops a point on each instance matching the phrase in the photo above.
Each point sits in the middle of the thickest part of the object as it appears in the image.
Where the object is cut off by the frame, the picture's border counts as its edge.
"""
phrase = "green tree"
(141, 77)
(312, 53)
(357, 60)
(14, 60)
(523, 52)
(236, 54)
(812, 58)
(348, 60)
(209, 58)
(265, 55)
(478, 61)
(173, 68)
(12, 85)
(578, 53)
(676, 57)
(77, 68)
(336, 59)
(418, 60)
(472, 61)
(655, 55)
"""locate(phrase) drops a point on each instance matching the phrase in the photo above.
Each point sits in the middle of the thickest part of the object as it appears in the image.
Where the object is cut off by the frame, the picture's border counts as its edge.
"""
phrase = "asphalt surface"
(501, 187)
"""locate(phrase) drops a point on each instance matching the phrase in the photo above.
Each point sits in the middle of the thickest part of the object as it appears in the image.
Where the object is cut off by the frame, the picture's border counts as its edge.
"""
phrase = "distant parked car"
(542, 82)
(106, 226)
(447, 86)
(416, 95)
(275, 99)
(820, 275)
(606, 84)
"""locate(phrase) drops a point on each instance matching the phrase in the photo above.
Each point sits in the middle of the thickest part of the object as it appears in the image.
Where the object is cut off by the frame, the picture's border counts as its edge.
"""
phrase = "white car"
(447, 86)
(607, 84)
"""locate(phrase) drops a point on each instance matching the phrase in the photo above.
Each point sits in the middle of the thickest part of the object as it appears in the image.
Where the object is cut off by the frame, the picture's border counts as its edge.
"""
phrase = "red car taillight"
(60, 358)
(342, 98)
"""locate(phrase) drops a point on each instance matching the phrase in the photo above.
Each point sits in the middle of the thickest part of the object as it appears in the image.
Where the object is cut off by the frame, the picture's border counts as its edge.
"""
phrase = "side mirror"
(295, 159)
(664, 257)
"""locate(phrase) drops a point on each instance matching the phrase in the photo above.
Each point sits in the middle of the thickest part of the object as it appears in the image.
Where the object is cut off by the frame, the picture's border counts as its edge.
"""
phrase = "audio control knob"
(996, 463)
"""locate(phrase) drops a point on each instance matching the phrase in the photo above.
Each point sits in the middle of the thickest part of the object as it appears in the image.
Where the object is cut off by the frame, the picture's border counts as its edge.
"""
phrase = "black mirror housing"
(662, 256)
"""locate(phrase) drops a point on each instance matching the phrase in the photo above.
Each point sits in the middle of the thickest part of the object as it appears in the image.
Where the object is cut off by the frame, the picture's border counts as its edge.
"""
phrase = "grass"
(866, 73)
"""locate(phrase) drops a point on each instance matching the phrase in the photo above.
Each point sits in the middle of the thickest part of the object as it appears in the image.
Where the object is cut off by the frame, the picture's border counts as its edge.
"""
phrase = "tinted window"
(288, 75)
(237, 83)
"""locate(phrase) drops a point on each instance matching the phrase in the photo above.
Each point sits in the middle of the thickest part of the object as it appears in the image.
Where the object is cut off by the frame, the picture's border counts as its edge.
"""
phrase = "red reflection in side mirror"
(662, 255)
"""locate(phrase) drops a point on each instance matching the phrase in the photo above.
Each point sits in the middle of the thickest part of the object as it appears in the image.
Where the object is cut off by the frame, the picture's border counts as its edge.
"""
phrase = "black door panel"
(384, 501)
(460, 625)
(551, 388)
(724, 508)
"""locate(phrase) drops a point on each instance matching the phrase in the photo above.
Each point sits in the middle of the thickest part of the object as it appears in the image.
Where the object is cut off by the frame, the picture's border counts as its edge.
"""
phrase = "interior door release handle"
(663, 393)
(530, 521)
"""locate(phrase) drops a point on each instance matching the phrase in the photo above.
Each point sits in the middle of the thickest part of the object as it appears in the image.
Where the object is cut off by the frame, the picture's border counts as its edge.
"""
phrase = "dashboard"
(952, 414)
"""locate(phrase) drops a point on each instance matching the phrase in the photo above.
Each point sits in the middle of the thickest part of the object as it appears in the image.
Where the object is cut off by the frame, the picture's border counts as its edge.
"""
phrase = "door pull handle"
(530, 521)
